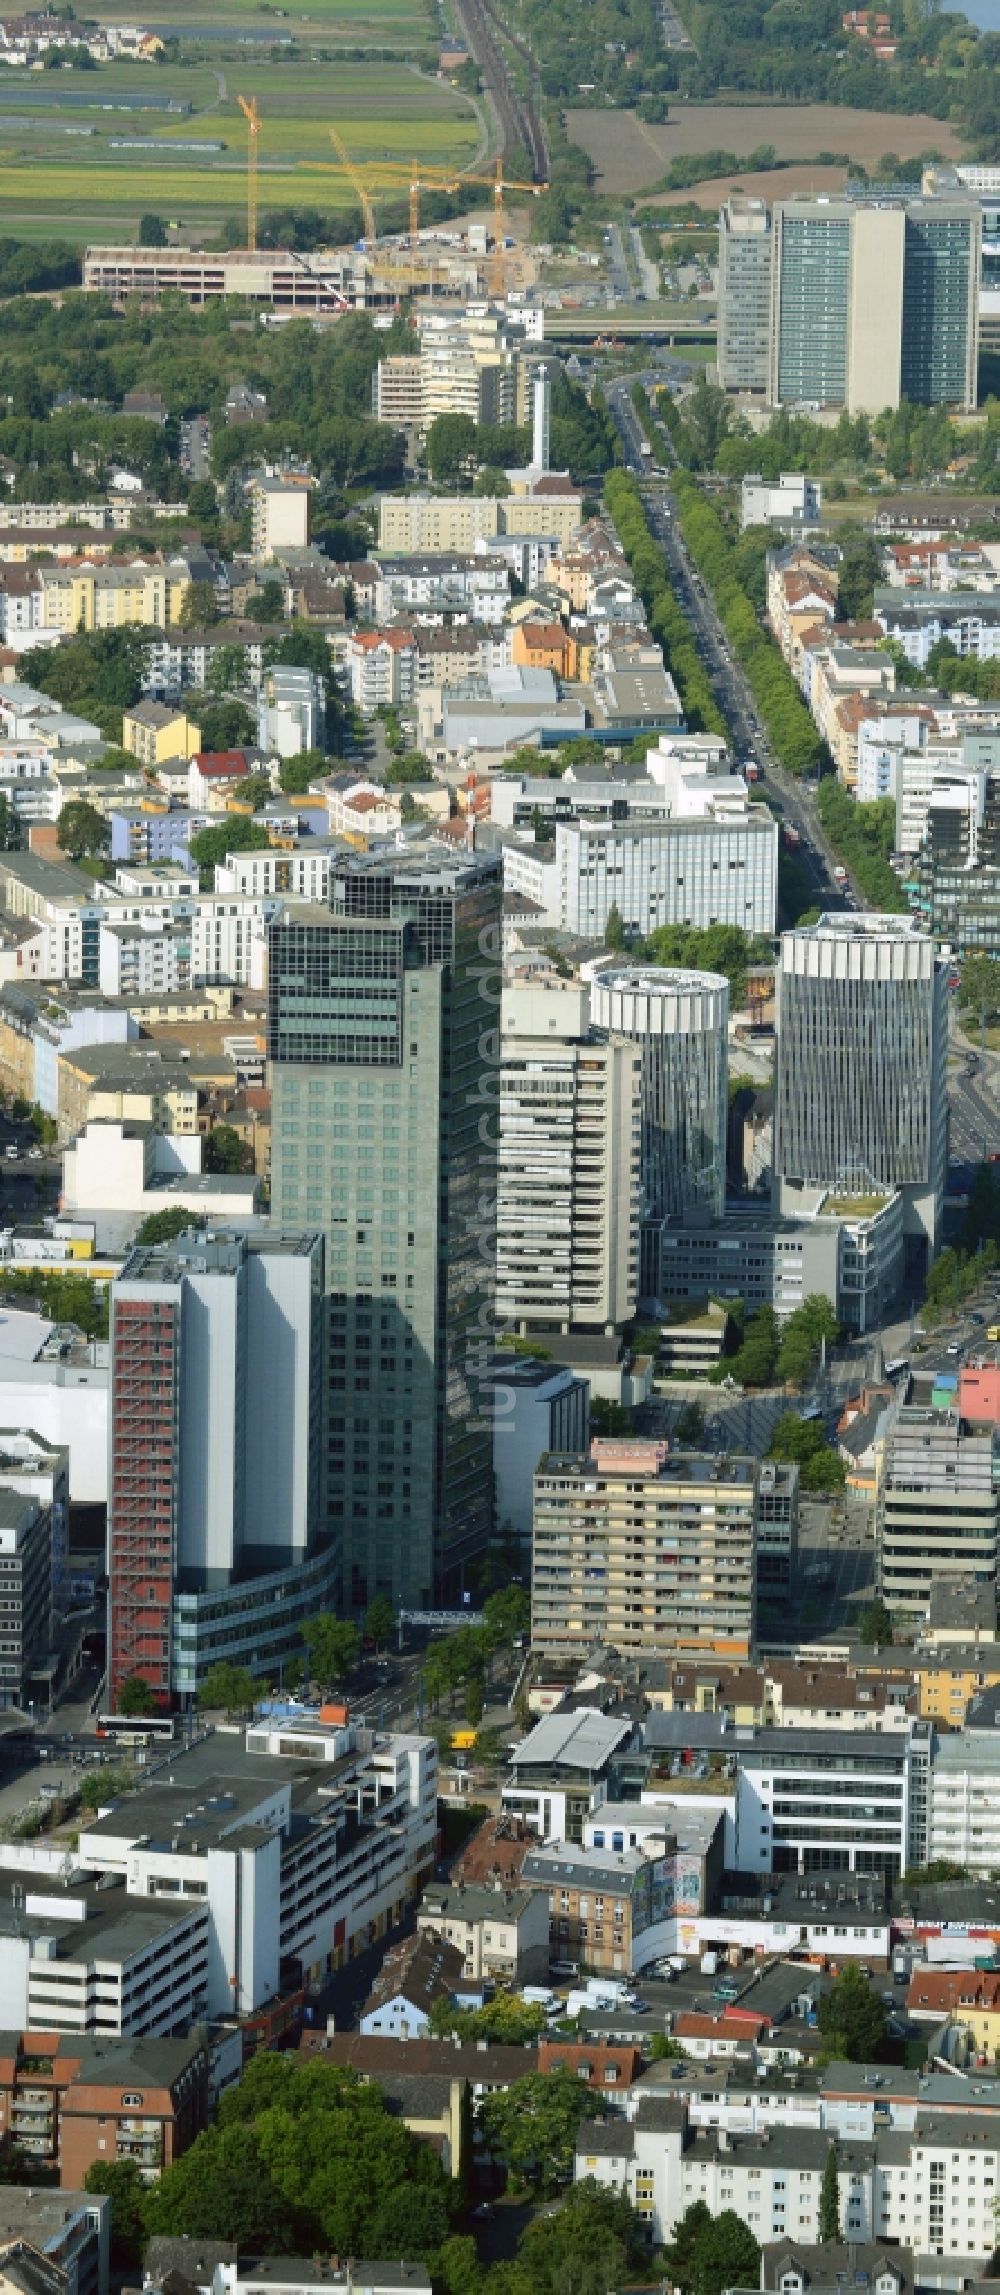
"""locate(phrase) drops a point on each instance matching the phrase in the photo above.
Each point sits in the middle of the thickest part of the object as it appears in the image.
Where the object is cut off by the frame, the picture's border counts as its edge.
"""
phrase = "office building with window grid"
(383, 1042)
(745, 249)
(873, 300)
(860, 1099)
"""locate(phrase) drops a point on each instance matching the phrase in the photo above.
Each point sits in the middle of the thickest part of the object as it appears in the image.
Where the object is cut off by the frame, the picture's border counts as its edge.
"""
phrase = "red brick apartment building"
(68, 2101)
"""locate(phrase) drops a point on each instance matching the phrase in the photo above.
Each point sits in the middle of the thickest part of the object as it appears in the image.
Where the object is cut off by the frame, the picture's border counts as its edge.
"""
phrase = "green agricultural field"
(84, 154)
(399, 24)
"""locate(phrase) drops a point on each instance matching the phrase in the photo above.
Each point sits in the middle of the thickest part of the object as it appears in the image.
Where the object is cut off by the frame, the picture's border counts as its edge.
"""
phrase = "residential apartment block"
(644, 1548)
(567, 1166)
(70, 2104)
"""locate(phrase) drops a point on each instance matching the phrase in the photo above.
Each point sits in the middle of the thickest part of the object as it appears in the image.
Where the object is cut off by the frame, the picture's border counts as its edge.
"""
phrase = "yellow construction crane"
(501, 183)
(353, 171)
(387, 265)
(420, 179)
(248, 107)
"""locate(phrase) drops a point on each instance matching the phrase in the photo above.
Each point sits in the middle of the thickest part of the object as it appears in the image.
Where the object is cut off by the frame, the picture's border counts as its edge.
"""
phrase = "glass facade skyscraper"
(874, 300)
(814, 295)
(382, 1039)
(938, 278)
(860, 1075)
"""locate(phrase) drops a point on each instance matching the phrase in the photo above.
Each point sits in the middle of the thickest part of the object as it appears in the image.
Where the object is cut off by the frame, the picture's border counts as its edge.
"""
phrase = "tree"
(82, 830)
(380, 1620)
(980, 986)
(223, 1150)
(710, 2252)
(162, 1226)
(608, 1417)
(236, 834)
(473, 1703)
(802, 1442)
(227, 725)
(121, 2182)
(135, 1697)
(303, 2154)
(753, 1364)
(534, 2123)
(203, 502)
(103, 1785)
(852, 2018)
(614, 930)
(592, 2242)
(451, 448)
(199, 607)
(332, 1646)
(507, 1613)
(506, 2018)
(228, 1688)
(690, 1428)
(266, 604)
(228, 670)
(875, 1625)
(491, 482)
(222, 2188)
(829, 2197)
(410, 2221)
(297, 773)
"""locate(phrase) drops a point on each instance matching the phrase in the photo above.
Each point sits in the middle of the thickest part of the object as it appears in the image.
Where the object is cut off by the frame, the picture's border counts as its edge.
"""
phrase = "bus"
(135, 1729)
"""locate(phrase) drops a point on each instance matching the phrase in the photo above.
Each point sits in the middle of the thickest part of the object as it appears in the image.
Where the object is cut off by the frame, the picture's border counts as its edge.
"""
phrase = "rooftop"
(584, 1740)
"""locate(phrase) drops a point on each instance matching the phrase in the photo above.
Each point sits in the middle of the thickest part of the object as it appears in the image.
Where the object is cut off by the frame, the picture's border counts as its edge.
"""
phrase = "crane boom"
(248, 107)
(358, 181)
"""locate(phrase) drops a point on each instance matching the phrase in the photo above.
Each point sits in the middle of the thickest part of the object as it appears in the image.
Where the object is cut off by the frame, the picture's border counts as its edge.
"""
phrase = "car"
(639, 2007)
(34, 1155)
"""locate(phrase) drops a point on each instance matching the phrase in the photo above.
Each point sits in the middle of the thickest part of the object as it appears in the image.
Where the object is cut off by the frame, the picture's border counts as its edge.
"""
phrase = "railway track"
(519, 122)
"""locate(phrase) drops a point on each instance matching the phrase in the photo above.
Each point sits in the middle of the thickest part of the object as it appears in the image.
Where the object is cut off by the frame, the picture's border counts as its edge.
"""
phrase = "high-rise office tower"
(679, 1022)
(383, 1050)
(568, 1169)
(214, 1544)
(745, 247)
(860, 1101)
(874, 300)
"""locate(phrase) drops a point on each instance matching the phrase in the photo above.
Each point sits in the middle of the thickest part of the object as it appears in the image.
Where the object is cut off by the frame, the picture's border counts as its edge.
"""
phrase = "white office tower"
(860, 1103)
(679, 1021)
(567, 1167)
(541, 418)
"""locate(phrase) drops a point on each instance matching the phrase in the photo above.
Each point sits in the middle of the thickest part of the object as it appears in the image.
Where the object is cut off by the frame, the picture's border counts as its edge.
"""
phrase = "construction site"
(460, 259)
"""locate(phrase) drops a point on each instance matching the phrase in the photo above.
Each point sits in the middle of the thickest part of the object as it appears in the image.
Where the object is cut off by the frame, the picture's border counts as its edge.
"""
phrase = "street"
(730, 686)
